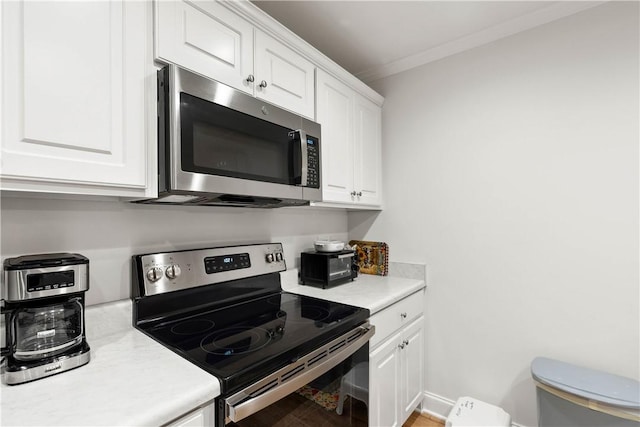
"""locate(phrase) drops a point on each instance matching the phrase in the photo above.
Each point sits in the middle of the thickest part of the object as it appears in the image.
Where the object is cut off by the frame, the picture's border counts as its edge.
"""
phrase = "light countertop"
(131, 380)
(134, 381)
(367, 291)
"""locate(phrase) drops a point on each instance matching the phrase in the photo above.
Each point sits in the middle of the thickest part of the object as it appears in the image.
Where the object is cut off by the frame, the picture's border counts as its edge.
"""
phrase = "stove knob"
(279, 256)
(173, 271)
(269, 258)
(154, 274)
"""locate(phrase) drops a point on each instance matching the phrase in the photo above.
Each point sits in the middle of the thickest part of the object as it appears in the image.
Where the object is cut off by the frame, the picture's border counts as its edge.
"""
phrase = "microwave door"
(217, 143)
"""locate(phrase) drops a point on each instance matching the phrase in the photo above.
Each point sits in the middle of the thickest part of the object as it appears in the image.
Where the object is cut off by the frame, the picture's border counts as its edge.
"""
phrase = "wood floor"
(417, 420)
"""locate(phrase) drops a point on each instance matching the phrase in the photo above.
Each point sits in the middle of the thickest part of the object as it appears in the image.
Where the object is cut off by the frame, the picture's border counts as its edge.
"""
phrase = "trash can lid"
(587, 383)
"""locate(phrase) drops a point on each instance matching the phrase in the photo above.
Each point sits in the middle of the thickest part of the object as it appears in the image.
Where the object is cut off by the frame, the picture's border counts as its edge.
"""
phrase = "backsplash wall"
(110, 232)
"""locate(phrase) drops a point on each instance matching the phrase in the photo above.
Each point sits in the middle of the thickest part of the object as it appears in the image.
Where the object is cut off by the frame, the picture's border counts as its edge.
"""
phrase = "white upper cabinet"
(351, 149)
(75, 114)
(211, 40)
(283, 77)
(368, 149)
(207, 38)
(335, 115)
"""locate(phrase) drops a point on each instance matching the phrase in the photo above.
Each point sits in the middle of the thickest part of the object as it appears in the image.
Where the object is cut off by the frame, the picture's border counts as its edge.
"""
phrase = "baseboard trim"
(436, 406)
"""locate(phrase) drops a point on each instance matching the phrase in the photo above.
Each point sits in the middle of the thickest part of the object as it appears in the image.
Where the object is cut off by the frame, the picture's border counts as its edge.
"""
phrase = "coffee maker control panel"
(46, 275)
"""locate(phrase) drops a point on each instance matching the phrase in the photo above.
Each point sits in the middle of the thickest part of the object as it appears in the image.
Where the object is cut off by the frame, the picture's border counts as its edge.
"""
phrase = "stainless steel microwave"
(218, 146)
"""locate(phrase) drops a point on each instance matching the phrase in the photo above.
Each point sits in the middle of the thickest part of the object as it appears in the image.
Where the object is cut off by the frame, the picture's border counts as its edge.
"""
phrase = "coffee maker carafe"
(43, 315)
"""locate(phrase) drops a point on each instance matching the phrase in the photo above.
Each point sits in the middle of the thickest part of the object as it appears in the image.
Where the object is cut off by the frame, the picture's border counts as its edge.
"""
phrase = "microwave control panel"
(313, 162)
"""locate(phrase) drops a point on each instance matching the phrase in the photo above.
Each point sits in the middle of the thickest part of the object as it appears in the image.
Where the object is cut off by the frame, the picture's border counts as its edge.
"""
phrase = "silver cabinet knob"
(403, 315)
(401, 346)
(405, 342)
(154, 274)
(359, 193)
(173, 271)
(353, 194)
(250, 79)
(263, 84)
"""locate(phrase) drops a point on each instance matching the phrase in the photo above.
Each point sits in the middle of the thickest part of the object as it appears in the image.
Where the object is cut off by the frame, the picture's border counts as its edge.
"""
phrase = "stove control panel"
(218, 264)
(172, 271)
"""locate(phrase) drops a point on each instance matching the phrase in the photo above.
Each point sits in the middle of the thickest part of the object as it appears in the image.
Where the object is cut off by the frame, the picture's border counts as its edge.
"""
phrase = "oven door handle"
(290, 378)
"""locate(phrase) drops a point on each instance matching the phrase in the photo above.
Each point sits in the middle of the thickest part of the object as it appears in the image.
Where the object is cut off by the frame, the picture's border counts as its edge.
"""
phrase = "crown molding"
(269, 25)
(534, 19)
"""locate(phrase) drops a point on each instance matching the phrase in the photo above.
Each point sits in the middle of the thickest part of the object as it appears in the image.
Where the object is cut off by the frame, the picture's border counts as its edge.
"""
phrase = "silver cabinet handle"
(405, 343)
(403, 315)
(263, 84)
(250, 79)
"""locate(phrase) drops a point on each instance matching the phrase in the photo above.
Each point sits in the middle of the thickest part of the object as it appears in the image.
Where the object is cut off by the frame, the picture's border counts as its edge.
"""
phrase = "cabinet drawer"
(396, 316)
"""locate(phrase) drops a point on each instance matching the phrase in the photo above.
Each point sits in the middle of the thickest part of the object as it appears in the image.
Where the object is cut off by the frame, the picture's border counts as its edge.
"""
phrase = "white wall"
(110, 232)
(512, 171)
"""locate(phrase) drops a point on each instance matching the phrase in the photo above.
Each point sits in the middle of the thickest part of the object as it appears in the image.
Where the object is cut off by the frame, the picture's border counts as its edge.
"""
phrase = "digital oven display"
(217, 264)
(47, 281)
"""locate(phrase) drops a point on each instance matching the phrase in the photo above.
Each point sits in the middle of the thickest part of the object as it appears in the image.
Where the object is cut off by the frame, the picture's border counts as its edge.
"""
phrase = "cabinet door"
(73, 102)
(283, 77)
(201, 417)
(412, 367)
(207, 38)
(335, 114)
(384, 384)
(368, 151)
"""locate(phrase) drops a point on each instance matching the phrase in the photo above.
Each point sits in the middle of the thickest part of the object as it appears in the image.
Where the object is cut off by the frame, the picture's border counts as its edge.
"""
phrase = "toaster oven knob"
(173, 271)
(269, 258)
(278, 256)
(154, 274)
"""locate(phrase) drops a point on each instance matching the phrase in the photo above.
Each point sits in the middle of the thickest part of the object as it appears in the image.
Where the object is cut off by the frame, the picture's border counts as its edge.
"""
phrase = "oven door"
(218, 140)
(331, 381)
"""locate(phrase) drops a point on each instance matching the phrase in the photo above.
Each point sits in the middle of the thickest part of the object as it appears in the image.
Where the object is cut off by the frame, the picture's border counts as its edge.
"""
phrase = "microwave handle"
(300, 158)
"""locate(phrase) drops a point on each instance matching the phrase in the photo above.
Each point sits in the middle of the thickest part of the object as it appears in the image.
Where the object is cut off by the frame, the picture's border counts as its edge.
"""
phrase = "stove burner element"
(194, 326)
(236, 340)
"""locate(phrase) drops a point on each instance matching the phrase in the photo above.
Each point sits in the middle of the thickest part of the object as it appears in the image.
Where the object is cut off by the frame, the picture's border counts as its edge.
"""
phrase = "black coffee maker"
(43, 315)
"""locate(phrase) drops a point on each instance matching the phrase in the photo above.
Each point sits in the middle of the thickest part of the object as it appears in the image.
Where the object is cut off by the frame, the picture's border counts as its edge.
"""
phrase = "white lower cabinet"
(201, 417)
(75, 97)
(396, 367)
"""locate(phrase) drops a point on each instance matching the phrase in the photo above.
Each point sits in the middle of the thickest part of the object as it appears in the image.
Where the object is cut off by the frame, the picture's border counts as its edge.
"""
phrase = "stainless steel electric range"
(224, 310)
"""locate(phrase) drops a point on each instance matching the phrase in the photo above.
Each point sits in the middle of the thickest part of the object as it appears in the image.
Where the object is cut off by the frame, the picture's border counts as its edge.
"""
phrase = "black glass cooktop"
(244, 341)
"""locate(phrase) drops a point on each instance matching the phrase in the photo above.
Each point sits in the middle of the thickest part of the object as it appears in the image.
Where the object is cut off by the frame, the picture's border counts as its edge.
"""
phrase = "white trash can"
(472, 412)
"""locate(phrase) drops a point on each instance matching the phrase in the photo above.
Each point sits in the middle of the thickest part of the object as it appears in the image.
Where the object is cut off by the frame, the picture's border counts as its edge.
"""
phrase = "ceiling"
(375, 39)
